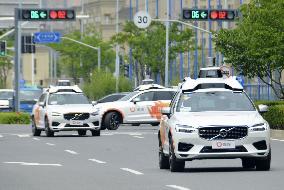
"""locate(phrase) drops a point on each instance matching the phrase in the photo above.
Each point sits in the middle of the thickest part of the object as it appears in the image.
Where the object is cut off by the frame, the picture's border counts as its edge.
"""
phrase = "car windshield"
(30, 94)
(5, 95)
(130, 95)
(61, 99)
(214, 101)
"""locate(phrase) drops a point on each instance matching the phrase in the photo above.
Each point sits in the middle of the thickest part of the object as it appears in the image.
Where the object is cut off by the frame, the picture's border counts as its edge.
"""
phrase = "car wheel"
(248, 163)
(112, 121)
(35, 130)
(82, 132)
(96, 132)
(48, 131)
(163, 160)
(264, 164)
(175, 165)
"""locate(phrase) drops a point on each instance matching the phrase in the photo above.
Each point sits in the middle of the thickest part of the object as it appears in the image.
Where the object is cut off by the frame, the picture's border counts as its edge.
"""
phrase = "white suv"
(64, 109)
(213, 118)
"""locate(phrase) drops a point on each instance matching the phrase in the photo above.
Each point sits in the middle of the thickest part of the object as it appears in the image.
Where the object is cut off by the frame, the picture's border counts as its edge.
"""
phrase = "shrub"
(275, 117)
(103, 83)
(14, 118)
(269, 103)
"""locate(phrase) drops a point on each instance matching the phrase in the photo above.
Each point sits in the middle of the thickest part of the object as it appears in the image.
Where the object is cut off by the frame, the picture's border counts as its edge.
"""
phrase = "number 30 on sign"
(142, 19)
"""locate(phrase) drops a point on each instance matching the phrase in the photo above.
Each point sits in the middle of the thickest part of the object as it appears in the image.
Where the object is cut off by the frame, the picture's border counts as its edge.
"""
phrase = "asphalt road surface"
(125, 159)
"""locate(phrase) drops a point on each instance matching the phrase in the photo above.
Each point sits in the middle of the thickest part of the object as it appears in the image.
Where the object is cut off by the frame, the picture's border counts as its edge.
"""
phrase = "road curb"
(277, 134)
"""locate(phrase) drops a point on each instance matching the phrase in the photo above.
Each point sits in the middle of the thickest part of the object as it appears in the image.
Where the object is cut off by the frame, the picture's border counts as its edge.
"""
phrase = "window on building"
(107, 18)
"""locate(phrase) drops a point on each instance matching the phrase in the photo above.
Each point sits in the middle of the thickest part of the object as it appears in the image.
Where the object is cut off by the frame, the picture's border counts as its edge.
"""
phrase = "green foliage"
(148, 46)
(71, 54)
(270, 103)
(103, 83)
(5, 67)
(275, 117)
(14, 118)
(255, 47)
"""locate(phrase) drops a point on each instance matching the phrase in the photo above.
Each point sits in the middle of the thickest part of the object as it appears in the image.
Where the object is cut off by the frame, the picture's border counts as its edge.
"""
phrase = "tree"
(5, 67)
(71, 53)
(255, 47)
(148, 46)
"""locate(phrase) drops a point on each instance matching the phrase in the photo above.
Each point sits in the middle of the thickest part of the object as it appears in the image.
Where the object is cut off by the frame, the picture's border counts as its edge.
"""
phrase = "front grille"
(208, 149)
(85, 125)
(223, 132)
(76, 116)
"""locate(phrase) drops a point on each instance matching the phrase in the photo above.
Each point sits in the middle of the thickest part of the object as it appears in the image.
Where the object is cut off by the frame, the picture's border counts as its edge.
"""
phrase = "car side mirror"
(262, 108)
(166, 111)
(135, 100)
(94, 103)
(41, 104)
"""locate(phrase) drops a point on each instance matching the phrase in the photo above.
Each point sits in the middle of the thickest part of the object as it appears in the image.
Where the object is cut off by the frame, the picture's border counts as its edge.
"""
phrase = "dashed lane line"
(97, 161)
(23, 135)
(37, 139)
(132, 171)
(50, 144)
(278, 140)
(177, 187)
(31, 164)
(71, 151)
(139, 137)
(1, 136)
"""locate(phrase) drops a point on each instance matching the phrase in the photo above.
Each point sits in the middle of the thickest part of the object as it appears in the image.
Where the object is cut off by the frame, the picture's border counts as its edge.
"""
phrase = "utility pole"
(117, 49)
(167, 46)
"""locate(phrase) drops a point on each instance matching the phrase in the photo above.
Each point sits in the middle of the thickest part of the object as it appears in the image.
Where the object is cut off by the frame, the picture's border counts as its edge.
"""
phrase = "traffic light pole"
(17, 61)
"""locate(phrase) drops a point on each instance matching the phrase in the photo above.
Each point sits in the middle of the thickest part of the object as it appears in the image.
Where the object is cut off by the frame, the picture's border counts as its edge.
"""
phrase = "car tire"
(163, 160)
(96, 133)
(175, 165)
(48, 131)
(35, 130)
(82, 132)
(248, 163)
(111, 121)
(264, 164)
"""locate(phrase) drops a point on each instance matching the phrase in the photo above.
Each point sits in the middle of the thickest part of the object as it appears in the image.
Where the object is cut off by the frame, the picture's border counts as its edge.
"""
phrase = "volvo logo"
(223, 132)
(76, 116)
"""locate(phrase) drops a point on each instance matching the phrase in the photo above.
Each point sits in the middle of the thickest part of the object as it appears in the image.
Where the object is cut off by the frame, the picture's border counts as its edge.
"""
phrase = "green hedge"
(14, 118)
(269, 103)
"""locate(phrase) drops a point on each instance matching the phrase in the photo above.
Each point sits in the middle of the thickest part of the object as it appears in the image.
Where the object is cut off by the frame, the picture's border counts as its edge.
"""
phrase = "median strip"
(132, 171)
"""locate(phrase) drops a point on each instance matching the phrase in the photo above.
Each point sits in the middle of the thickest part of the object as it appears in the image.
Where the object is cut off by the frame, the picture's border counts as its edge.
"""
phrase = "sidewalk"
(277, 134)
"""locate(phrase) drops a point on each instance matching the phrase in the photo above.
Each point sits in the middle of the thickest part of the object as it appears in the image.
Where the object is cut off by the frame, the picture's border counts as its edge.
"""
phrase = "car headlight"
(56, 114)
(259, 127)
(184, 128)
(95, 112)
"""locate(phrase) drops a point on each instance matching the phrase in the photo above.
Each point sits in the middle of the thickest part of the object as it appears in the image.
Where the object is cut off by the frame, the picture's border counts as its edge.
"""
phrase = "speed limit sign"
(142, 19)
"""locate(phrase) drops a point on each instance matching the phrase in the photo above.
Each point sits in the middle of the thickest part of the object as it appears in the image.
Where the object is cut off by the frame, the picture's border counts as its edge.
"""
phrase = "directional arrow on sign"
(43, 15)
(204, 14)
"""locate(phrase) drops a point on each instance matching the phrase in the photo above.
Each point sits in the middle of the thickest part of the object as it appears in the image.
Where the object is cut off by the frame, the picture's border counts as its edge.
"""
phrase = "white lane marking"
(177, 187)
(71, 151)
(107, 134)
(135, 134)
(1, 136)
(37, 139)
(23, 135)
(138, 137)
(155, 133)
(31, 164)
(278, 140)
(132, 171)
(98, 161)
(50, 144)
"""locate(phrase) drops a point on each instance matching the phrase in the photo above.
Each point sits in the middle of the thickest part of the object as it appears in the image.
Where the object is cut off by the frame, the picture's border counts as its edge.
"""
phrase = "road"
(125, 159)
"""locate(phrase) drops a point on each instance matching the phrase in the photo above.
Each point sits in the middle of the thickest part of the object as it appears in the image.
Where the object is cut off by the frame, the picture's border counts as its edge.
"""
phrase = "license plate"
(223, 144)
(76, 122)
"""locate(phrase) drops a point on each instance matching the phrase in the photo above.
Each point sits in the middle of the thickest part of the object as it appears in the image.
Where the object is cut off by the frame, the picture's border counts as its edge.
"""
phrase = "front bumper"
(58, 123)
(189, 146)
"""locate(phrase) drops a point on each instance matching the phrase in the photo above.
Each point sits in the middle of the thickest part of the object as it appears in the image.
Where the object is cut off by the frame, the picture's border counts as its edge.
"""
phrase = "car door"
(138, 110)
(40, 111)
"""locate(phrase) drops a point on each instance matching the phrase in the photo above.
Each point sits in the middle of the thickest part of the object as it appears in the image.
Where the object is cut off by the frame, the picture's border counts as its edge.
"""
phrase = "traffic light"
(206, 15)
(46, 14)
(222, 15)
(28, 45)
(126, 70)
(3, 48)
